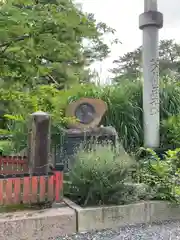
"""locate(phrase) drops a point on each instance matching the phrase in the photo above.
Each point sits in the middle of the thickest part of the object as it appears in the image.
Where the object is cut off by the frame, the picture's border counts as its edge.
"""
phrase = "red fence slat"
(26, 189)
(17, 190)
(42, 189)
(34, 184)
(51, 188)
(9, 191)
(61, 182)
(1, 191)
(58, 185)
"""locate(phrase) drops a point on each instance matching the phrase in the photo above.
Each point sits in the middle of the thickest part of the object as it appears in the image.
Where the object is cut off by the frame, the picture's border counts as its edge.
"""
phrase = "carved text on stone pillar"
(154, 98)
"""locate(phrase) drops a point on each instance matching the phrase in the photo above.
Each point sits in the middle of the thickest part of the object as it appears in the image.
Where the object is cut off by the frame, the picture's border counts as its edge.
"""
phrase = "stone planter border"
(97, 218)
(70, 218)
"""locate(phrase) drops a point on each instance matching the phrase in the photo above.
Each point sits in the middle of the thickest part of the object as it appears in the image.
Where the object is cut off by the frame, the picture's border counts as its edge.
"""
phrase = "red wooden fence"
(16, 186)
(13, 165)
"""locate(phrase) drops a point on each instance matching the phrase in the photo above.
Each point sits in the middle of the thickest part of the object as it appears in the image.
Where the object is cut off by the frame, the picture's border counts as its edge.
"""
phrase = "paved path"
(165, 231)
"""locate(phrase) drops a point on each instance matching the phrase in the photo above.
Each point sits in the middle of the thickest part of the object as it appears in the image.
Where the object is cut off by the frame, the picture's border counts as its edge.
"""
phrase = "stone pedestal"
(73, 139)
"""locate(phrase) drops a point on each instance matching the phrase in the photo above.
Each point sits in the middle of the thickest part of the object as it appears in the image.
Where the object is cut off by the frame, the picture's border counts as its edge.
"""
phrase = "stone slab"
(37, 225)
(97, 218)
(111, 216)
(163, 211)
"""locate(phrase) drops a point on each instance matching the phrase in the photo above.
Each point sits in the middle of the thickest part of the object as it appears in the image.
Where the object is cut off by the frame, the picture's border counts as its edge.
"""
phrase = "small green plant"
(162, 176)
(17, 127)
(102, 176)
(6, 147)
(170, 131)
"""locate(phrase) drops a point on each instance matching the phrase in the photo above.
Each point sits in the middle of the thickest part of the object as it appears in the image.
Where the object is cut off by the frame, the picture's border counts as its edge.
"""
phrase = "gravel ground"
(163, 231)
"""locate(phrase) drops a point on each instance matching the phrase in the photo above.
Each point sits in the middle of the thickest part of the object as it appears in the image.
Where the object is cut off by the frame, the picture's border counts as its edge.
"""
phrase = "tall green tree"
(129, 66)
(43, 41)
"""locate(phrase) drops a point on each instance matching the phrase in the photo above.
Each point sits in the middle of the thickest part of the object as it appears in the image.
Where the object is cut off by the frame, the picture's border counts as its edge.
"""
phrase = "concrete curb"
(50, 224)
(97, 218)
(42, 225)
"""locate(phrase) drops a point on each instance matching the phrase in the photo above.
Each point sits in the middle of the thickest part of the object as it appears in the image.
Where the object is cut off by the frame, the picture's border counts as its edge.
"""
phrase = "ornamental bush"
(102, 176)
(162, 176)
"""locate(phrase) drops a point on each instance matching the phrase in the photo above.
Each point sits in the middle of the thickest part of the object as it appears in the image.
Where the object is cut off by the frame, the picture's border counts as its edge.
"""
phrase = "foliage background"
(124, 108)
(43, 42)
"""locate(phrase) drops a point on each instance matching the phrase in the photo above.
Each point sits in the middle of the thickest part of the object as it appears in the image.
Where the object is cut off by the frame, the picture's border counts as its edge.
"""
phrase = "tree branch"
(7, 44)
(59, 86)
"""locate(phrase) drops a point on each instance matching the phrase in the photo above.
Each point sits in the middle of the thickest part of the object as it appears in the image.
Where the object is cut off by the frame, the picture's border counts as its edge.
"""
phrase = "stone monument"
(85, 130)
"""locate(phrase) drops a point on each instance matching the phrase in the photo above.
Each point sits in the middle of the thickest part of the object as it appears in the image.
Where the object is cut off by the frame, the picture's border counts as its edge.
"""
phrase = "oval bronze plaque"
(87, 111)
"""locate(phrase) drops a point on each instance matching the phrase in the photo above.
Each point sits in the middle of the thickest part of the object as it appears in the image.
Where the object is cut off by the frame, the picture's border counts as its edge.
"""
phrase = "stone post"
(150, 22)
(39, 143)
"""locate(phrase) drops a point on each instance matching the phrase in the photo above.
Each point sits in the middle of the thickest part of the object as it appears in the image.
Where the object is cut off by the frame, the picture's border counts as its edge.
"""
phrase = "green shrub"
(125, 113)
(170, 131)
(17, 127)
(162, 176)
(102, 176)
(19, 105)
(6, 147)
(169, 100)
